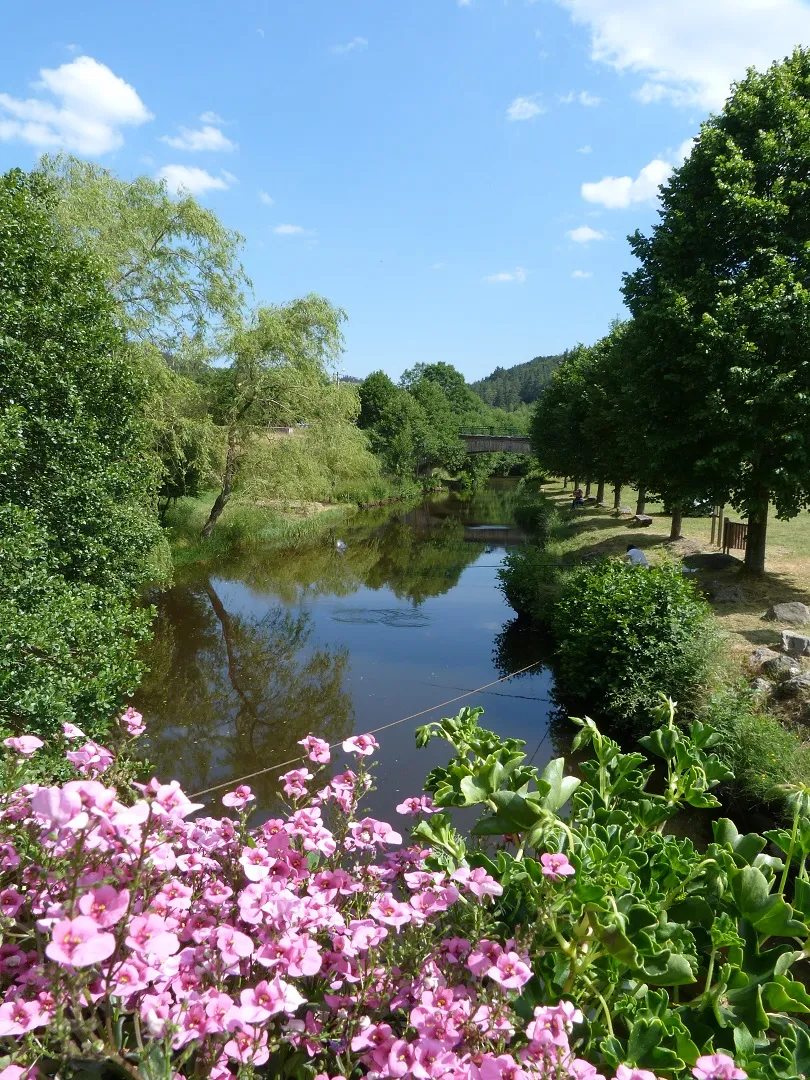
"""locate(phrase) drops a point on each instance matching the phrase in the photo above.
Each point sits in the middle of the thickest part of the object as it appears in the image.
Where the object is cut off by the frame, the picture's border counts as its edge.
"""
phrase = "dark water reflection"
(251, 657)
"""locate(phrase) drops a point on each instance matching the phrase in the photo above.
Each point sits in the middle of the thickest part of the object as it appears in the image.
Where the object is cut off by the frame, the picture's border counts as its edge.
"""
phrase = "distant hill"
(506, 388)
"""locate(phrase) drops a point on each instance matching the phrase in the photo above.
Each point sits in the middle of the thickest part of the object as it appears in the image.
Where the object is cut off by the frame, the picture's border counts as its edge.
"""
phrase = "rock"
(795, 644)
(624, 510)
(798, 686)
(642, 521)
(793, 613)
(761, 686)
(759, 656)
(780, 667)
(710, 560)
(724, 594)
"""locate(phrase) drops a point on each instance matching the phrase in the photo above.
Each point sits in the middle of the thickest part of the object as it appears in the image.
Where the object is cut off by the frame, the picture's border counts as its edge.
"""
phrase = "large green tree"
(77, 481)
(280, 366)
(722, 303)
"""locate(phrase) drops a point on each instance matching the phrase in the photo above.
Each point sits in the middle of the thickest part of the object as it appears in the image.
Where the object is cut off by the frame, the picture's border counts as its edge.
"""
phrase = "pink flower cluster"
(128, 915)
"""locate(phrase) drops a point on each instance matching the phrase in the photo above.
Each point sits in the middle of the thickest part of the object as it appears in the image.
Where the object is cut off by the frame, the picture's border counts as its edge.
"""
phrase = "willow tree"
(278, 375)
(721, 299)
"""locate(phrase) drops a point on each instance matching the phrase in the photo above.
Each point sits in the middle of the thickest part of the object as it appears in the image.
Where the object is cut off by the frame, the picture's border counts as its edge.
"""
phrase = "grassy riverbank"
(766, 741)
(250, 526)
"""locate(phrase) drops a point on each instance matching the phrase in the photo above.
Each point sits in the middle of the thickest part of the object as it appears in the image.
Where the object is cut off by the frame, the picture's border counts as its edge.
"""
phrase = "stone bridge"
(497, 444)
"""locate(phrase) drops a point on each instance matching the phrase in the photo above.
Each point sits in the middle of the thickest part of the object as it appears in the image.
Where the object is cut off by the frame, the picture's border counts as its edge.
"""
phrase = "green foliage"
(721, 302)
(670, 952)
(76, 479)
(510, 388)
(170, 263)
(623, 632)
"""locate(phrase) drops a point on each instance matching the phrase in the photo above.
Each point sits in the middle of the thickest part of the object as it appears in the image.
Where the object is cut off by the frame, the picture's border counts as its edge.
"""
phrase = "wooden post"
(714, 524)
(720, 523)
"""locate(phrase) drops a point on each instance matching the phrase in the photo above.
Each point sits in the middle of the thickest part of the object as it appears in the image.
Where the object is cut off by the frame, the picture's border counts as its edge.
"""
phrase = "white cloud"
(582, 274)
(266, 198)
(211, 118)
(585, 149)
(584, 235)
(205, 138)
(524, 108)
(437, 266)
(292, 230)
(350, 46)
(691, 51)
(618, 192)
(464, 3)
(90, 105)
(192, 180)
(259, 31)
(582, 98)
(517, 276)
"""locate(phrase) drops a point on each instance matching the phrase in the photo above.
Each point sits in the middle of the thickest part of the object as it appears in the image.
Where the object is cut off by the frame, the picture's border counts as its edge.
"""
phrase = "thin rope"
(376, 731)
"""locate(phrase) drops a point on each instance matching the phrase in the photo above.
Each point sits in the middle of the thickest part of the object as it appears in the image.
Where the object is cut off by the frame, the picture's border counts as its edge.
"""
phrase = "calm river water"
(253, 655)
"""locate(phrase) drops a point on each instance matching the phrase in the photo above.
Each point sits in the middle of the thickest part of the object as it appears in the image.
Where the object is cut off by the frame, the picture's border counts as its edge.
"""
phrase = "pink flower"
(417, 805)
(233, 944)
(24, 744)
(70, 731)
(477, 881)
(624, 1072)
(717, 1067)
(510, 971)
(10, 902)
(148, 934)
(60, 807)
(90, 758)
(132, 722)
(390, 911)
(317, 749)
(106, 905)
(363, 745)
(78, 943)
(239, 798)
(295, 782)
(17, 1017)
(248, 1046)
(267, 999)
(556, 866)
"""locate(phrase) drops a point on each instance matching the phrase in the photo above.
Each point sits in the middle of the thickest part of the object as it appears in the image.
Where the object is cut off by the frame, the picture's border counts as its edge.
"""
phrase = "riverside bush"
(625, 632)
(530, 578)
(140, 942)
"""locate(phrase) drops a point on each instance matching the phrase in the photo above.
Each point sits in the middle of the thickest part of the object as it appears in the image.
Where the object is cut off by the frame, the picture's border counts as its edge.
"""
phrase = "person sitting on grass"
(635, 556)
(578, 499)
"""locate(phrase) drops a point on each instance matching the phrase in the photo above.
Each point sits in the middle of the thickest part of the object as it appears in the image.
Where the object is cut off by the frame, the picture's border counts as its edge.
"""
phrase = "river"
(251, 655)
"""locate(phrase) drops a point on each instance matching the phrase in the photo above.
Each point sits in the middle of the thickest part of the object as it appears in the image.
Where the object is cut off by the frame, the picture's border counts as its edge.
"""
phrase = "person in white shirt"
(635, 556)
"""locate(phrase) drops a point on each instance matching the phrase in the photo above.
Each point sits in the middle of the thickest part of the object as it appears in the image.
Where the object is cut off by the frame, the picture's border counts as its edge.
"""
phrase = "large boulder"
(798, 686)
(780, 668)
(723, 593)
(792, 613)
(795, 644)
(760, 656)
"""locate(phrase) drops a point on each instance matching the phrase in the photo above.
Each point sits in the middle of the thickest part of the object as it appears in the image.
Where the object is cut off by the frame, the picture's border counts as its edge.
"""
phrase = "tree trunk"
(617, 496)
(641, 501)
(675, 530)
(576, 483)
(565, 482)
(231, 469)
(587, 489)
(757, 533)
(600, 491)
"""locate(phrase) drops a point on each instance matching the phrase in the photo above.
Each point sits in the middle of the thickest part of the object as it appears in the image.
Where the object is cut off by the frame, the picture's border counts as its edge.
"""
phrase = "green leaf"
(785, 995)
(473, 790)
(522, 812)
(560, 787)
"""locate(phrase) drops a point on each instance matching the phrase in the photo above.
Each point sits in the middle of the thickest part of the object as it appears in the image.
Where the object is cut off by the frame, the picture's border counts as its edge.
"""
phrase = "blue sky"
(459, 176)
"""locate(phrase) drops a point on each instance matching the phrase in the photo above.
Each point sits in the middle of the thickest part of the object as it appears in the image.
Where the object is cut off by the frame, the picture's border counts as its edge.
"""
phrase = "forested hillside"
(507, 388)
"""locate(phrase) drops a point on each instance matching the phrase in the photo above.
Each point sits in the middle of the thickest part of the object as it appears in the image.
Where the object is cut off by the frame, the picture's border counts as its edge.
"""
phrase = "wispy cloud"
(585, 149)
(292, 230)
(524, 108)
(211, 118)
(350, 46)
(87, 108)
(266, 198)
(584, 235)
(437, 266)
(582, 274)
(207, 137)
(581, 97)
(517, 277)
(192, 180)
(259, 31)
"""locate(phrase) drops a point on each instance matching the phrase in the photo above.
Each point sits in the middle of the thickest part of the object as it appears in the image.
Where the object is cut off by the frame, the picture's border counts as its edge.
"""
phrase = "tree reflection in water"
(230, 694)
